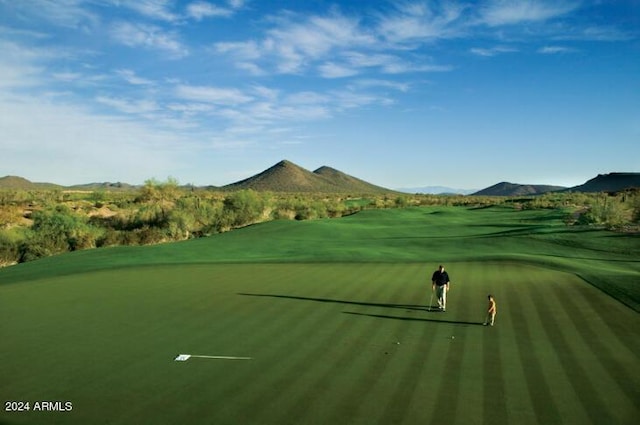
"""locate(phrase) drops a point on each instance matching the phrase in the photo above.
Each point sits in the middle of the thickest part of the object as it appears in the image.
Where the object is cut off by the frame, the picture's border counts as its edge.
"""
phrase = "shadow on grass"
(424, 308)
(414, 319)
(330, 300)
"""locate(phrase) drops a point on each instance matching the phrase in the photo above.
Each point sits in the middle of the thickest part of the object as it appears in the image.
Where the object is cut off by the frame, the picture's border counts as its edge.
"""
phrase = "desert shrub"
(57, 230)
(242, 207)
(149, 235)
(10, 215)
(180, 223)
(608, 211)
(110, 237)
(402, 201)
(9, 248)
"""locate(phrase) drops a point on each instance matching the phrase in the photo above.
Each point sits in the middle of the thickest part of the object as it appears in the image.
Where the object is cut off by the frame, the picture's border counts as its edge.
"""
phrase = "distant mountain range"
(436, 190)
(20, 183)
(285, 176)
(612, 182)
(513, 189)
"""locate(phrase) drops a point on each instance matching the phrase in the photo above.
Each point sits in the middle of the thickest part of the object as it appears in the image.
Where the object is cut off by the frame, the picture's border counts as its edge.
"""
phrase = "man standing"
(440, 283)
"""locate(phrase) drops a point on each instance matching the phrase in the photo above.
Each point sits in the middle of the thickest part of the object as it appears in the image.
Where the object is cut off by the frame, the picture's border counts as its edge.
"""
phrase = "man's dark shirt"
(440, 278)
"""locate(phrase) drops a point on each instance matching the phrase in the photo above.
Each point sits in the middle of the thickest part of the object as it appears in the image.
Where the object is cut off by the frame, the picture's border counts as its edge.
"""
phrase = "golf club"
(431, 300)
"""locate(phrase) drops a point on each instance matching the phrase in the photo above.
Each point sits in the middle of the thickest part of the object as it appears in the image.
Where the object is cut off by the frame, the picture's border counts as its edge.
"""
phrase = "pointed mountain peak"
(285, 176)
(326, 170)
(286, 163)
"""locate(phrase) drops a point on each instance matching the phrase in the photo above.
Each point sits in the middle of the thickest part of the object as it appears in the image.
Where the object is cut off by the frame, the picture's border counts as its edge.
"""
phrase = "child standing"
(491, 311)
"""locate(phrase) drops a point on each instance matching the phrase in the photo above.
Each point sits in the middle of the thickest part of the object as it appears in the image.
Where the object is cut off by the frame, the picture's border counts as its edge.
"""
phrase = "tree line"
(36, 224)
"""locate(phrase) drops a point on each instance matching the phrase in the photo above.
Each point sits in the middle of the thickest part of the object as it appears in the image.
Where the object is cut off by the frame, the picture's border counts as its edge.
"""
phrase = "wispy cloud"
(423, 22)
(131, 77)
(201, 9)
(62, 13)
(128, 106)
(90, 144)
(492, 51)
(212, 95)
(296, 43)
(554, 50)
(510, 12)
(149, 37)
(601, 33)
(331, 46)
(376, 83)
(333, 70)
(153, 9)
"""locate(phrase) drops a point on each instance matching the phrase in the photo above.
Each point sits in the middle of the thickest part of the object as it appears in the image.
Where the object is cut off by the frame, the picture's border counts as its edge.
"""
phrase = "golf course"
(332, 321)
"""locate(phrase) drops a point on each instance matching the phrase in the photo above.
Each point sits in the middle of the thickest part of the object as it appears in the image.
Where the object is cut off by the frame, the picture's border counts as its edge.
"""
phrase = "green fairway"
(320, 307)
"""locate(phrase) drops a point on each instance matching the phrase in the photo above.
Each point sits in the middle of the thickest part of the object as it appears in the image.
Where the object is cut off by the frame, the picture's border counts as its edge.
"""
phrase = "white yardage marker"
(185, 357)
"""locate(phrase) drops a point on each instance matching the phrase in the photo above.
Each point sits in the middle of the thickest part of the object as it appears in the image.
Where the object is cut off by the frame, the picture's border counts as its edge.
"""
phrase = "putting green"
(323, 338)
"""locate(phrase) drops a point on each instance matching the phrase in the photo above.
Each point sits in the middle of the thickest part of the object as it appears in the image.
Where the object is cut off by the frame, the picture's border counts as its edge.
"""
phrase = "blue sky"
(404, 93)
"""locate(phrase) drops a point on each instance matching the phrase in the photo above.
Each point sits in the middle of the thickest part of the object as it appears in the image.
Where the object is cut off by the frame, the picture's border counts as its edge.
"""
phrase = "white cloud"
(511, 12)
(244, 50)
(154, 9)
(128, 106)
(266, 92)
(131, 77)
(202, 9)
(601, 33)
(492, 51)
(19, 67)
(236, 4)
(92, 147)
(336, 46)
(423, 22)
(368, 83)
(333, 70)
(295, 44)
(552, 50)
(307, 98)
(62, 13)
(213, 95)
(148, 36)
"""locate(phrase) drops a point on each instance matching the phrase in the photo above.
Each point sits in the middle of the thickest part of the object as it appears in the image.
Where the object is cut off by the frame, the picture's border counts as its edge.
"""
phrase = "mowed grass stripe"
(566, 347)
(612, 372)
(400, 321)
(365, 370)
(452, 389)
(494, 342)
(329, 353)
(412, 395)
(494, 407)
(544, 406)
(412, 398)
(286, 359)
(258, 335)
(614, 316)
(314, 345)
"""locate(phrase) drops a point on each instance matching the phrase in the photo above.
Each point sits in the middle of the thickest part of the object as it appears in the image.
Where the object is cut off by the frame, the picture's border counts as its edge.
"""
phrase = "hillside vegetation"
(37, 224)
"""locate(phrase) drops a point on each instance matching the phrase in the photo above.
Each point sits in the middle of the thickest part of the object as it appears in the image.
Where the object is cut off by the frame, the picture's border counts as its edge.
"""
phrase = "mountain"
(437, 190)
(103, 186)
(285, 176)
(20, 183)
(612, 182)
(514, 189)
(347, 182)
